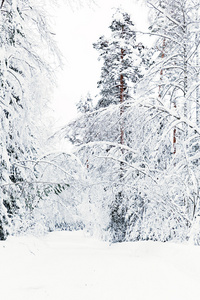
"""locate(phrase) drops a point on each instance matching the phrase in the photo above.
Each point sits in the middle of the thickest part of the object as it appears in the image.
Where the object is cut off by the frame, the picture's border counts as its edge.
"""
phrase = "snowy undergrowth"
(71, 265)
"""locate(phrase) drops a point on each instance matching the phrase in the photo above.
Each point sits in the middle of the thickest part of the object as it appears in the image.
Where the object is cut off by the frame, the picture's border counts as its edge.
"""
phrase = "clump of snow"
(70, 265)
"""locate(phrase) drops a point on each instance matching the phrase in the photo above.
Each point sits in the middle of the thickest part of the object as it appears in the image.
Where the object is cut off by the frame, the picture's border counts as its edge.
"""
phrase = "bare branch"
(2, 4)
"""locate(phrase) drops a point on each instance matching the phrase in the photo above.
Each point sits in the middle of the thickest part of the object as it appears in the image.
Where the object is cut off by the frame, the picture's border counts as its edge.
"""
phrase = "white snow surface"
(71, 265)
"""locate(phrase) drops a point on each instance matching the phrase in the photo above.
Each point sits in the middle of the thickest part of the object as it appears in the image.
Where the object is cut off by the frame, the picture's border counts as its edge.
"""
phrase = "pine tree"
(121, 60)
(120, 72)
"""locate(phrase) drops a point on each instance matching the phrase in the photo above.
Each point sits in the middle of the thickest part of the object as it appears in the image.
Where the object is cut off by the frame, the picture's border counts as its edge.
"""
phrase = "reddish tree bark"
(121, 108)
(174, 140)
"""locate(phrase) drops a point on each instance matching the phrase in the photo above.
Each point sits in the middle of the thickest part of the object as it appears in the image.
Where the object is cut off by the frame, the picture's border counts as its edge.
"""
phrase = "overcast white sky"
(76, 30)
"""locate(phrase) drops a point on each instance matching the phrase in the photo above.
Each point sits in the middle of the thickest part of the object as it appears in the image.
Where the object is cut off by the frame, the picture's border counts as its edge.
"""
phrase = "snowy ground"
(69, 265)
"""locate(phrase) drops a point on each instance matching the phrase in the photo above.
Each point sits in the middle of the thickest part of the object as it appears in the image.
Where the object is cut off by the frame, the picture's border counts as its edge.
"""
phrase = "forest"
(133, 172)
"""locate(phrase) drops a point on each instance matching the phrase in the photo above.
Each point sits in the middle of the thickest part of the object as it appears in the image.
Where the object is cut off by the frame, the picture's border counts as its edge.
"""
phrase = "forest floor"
(72, 266)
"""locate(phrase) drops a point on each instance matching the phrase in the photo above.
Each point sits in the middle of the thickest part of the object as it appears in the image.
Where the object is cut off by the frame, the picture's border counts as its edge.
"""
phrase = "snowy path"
(67, 265)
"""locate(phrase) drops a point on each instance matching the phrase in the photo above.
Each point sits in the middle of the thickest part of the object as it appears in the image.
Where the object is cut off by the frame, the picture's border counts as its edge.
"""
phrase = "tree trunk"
(118, 212)
(121, 107)
(122, 110)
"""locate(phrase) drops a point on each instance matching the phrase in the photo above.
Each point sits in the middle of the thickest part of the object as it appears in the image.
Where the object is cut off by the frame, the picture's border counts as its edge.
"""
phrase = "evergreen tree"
(121, 61)
(120, 71)
(85, 104)
(107, 130)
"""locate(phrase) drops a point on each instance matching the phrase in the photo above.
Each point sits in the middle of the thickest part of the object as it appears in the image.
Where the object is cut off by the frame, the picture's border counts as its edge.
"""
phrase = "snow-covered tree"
(24, 77)
(173, 98)
(139, 145)
(106, 131)
(121, 60)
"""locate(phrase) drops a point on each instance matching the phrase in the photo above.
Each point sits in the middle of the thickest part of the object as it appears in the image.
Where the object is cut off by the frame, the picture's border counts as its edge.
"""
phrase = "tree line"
(134, 171)
(140, 141)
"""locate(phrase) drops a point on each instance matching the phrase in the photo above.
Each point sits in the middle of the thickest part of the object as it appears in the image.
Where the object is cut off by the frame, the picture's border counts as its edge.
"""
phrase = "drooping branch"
(167, 15)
